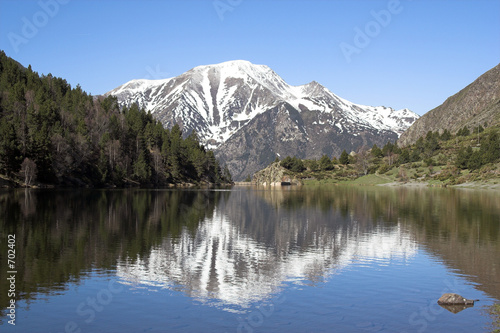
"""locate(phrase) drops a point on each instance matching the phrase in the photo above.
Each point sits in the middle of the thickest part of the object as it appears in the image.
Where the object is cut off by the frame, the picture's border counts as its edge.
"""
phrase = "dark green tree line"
(74, 138)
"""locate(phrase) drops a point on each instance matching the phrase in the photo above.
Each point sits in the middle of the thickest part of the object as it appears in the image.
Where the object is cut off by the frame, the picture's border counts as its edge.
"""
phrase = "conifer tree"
(490, 148)
(325, 163)
(376, 151)
(344, 158)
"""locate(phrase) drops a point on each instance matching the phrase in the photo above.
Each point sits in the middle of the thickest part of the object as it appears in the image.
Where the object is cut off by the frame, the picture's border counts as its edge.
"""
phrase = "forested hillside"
(51, 133)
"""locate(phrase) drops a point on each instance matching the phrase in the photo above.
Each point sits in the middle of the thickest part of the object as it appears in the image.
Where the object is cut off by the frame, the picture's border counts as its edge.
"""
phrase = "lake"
(297, 259)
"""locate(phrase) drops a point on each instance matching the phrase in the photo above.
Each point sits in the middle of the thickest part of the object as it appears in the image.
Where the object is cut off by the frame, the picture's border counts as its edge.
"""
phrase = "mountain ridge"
(219, 101)
(258, 77)
(476, 104)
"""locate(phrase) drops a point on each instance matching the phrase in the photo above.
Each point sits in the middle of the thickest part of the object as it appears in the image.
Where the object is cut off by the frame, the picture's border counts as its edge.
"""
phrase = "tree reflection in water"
(236, 247)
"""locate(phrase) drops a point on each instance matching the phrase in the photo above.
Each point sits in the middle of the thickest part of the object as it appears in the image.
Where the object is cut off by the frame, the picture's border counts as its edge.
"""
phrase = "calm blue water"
(247, 260)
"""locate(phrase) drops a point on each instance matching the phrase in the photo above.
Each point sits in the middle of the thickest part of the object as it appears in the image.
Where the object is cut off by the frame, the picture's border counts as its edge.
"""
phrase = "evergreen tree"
(463, 156)
(463, 131)
(226, 175)
(388, 149)
(396, 149)
(313, 165)
(217, 172)
(446, 135)
(213, 167)
(103, 167)
(297, 165)
(490, 148)
(475, 161)
(431, 143)
(175, 157)
(376, 151)
(344, 158)
(293, 164)
(286, 162)
(415, 156)
(142, 170)
(404, 157)
(9, 153)
(420, 145)
(325, 163)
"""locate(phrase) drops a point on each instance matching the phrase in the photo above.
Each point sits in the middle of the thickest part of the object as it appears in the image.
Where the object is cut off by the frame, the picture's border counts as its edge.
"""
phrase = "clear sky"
(394, 53)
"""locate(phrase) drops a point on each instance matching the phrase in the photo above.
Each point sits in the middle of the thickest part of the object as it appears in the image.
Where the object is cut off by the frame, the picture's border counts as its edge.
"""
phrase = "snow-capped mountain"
(220, 101)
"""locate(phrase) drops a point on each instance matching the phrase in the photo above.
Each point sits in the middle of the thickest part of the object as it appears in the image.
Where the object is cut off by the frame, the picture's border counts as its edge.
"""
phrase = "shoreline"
(377, 180)
(6, 183)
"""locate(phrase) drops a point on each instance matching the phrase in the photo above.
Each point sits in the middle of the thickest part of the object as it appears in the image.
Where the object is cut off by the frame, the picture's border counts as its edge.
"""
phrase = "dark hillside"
(53, 134)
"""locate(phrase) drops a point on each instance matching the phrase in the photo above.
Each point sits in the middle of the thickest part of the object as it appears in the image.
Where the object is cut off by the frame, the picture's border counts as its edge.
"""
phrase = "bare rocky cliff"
(284, 131)
(476, 104)
(274, 175)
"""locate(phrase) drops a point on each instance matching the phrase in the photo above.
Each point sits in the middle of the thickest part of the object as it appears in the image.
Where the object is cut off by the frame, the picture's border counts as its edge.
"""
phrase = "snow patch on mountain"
(218, 100)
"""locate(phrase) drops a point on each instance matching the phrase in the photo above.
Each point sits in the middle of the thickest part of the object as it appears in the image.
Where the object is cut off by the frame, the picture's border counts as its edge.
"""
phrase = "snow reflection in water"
(222, 265)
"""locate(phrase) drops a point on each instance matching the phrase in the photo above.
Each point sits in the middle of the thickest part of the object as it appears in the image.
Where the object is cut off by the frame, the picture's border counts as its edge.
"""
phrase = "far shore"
(378, 180)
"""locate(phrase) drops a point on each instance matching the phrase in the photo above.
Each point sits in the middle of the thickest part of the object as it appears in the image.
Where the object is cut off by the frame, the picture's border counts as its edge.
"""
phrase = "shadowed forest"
(59, 135)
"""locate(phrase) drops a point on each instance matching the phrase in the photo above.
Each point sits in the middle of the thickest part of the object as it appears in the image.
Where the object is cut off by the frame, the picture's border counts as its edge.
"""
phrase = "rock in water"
(454, 299)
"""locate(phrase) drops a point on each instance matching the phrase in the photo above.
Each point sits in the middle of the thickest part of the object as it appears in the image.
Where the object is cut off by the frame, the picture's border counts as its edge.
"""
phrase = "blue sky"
(394, 53)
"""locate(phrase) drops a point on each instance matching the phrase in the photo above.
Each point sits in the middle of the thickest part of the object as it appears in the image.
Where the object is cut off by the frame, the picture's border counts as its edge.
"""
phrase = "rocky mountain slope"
(249, 115)
(476, 104)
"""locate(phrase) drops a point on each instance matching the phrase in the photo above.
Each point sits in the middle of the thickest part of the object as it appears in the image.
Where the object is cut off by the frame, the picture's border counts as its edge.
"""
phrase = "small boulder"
(454, 299)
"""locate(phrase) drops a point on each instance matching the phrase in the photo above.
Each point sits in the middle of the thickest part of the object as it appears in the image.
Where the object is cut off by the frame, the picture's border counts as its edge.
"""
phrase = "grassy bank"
(369, 180)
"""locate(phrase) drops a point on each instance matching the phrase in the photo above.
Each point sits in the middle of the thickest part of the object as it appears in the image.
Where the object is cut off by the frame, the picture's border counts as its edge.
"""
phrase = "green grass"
(371, 179)
(327, 181)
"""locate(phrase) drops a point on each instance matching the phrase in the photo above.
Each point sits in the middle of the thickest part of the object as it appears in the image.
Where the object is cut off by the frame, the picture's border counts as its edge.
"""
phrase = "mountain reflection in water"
(227, 263)
(235, 248)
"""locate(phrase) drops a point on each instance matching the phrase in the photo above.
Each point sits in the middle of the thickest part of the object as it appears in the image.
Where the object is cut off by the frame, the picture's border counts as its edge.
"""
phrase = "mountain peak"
(236, 63)
(313, 88)
(239, 104)
(234, 66)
